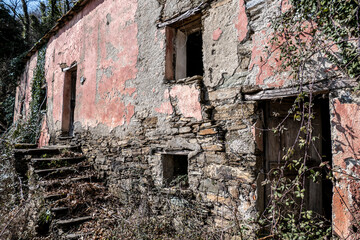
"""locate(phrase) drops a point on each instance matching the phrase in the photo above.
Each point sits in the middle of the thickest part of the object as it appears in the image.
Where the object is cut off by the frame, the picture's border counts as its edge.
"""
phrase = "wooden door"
(72, 102)
(69, 99)
(277, 144)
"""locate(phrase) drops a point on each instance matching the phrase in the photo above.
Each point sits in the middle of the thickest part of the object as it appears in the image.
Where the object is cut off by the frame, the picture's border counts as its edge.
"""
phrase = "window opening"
(194, 63)
(175, 170)
(184, 57)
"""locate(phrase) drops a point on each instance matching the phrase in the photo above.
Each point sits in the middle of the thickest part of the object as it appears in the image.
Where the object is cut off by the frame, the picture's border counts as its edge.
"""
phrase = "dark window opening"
(194, 62)
(175, 170)
(184, 57)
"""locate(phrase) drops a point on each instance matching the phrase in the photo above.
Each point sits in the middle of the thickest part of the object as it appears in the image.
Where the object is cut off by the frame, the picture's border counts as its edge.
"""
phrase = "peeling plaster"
(217, 34)
(242, 22)
(188, 101)
(345, 123)
(107, 66)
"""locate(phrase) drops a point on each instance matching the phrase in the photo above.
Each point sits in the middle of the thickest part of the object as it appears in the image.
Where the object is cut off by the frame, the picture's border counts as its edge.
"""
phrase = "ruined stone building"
(153, 90)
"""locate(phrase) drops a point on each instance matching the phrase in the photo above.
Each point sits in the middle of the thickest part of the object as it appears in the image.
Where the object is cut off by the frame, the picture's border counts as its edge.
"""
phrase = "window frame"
(176, 46)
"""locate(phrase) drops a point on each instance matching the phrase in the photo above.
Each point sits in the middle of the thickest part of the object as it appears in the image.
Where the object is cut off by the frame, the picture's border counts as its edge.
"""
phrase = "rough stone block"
(226, 172)
(150, 122)
(185, 130)
(213, 147)
(240, 142)
(206, 125)
(212, 186)
(234, 111)
(218, 158)
(234, 192)
(222, 94)
(209, 131)
(236, 125)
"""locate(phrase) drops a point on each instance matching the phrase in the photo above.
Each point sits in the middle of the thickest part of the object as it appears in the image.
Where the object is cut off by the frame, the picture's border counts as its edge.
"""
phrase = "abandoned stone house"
(181, 88)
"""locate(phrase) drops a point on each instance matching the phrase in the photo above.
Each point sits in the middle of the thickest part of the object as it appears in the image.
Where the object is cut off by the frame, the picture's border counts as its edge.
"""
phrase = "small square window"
(184, 56)
(175, 170)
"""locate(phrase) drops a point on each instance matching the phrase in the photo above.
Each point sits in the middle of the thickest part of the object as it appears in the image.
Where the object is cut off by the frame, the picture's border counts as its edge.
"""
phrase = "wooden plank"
(74, 220)
(316, 88)
(183, 16)
(58, 159)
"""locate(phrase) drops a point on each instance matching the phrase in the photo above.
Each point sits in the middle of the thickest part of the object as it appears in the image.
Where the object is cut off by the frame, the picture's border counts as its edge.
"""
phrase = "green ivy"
(330, 28)
(309, 33)
(38, 100)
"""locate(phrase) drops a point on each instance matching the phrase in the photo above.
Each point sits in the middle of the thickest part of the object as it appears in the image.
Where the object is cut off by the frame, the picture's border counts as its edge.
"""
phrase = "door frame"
(69, 100)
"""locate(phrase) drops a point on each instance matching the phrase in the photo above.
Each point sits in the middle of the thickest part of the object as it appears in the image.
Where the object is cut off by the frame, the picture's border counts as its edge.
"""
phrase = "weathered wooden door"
(69, 99)
(278, 142)
(72, 102)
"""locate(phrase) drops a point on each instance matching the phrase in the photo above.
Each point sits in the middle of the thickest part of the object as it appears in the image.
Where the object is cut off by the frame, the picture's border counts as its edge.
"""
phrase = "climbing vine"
(315, 40)
(326, 31)
(31, 131)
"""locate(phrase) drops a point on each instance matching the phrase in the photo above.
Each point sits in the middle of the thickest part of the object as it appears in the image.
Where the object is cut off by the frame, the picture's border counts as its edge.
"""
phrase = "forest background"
(22, 24)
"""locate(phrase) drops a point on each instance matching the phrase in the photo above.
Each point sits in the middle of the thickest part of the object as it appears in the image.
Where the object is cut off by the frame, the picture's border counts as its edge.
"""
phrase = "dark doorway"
(69, 99)
(318, 195)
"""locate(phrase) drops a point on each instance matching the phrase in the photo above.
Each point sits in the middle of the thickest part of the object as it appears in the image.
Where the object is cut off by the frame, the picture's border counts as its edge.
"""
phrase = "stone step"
(63, 138)
(42, 163)
(76, 235)
(25, 145)
(73, 221)
(65, 183)
(61, 172)
(59, 211)
(55, 196)
(51, 150)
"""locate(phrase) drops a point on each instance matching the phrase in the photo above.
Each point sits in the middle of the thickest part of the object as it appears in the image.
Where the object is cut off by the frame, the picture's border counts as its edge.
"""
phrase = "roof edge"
(79, 5)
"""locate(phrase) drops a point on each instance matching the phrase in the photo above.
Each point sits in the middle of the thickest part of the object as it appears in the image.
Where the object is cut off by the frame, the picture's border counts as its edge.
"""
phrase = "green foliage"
(31, 131)
(45, 216)
(319, 29)
(50, 12)
(11, 64)
(180, 181)
(313, 38)
(10, 34)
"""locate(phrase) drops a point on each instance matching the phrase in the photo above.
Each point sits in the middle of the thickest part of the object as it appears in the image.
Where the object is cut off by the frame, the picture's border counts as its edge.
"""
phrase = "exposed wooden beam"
(184, 16)
(316, 88)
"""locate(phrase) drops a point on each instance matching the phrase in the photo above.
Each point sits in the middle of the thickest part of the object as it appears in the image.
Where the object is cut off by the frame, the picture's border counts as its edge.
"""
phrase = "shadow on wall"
(346, 127)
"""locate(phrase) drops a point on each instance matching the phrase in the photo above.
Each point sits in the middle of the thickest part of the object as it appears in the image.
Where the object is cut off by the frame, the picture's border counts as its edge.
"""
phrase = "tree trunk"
(67, 6)
(53, 9)
(26, 21)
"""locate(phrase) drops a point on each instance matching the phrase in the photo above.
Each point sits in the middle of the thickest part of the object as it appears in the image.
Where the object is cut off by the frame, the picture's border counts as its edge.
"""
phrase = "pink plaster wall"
(267, 63)
(346, 149)
(187, 101)
(217, 34)
(102, 39)
(241, 23)
(166, 106)
(266, 56)
(44, 134)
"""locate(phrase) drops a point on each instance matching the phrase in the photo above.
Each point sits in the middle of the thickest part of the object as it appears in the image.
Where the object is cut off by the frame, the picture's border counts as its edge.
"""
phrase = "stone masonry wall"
(127, 115)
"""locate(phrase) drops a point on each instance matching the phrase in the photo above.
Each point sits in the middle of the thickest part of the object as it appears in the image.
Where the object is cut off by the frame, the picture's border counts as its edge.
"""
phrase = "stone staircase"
(68, 189)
